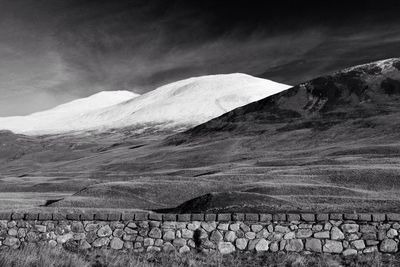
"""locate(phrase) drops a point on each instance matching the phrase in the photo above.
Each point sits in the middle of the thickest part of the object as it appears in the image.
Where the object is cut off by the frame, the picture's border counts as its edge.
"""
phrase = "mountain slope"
(356, 93)
(65, 116)
(181, 104)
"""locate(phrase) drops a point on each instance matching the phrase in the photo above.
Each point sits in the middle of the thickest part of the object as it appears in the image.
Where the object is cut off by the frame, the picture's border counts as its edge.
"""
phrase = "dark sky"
(52, 51)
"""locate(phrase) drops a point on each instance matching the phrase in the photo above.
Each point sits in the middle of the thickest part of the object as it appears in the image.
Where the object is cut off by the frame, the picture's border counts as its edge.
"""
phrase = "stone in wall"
(348, 235)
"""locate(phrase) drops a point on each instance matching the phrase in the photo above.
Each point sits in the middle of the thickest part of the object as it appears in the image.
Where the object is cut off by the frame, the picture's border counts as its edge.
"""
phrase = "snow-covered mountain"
(178, 105)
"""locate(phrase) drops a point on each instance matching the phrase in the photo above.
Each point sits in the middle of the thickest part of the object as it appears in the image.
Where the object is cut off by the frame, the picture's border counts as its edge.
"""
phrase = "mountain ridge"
(179, 105)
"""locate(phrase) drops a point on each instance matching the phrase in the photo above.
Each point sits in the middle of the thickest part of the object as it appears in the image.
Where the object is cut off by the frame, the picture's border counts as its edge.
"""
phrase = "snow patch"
(178, 105)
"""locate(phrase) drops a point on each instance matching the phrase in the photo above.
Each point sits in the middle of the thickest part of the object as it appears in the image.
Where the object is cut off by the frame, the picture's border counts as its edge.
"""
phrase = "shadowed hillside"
(361, 95)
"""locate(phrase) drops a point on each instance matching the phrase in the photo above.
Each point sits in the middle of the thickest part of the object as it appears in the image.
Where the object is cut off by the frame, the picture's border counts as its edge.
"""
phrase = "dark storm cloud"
(52, 51)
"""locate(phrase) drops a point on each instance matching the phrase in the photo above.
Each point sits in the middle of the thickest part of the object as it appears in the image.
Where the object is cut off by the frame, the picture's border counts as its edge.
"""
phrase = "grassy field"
(345, 176)
(49, 257)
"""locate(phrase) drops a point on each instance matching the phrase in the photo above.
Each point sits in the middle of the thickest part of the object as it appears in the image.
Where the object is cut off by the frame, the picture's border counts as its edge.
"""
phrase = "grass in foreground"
(49, 257)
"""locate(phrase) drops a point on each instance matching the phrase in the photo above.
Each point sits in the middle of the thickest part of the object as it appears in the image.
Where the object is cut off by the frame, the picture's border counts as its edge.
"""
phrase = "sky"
(54, 51)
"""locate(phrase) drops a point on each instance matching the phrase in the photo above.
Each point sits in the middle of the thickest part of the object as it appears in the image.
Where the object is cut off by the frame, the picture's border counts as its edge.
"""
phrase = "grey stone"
(137, 245)
(324, 234)
(41, 228)
(100, 242)
(193, 226)
(305, 226)
(327, 226)
(367, 228)
(388, 245)
(11, 242)
(148, 242)
(128, 245)
(371, 242)
(358, 244)
(130, 231)
(187, 233)
(396, 226)
(116, 243)
(104, 231)
(314, 245)
(118, 233)
(83, 244)
(332, 246)
(245, 228)
(226, 247)
(168, 247)
(91, 227)
(126, 237)
(209, 226)
(158, 242)
(241, 243)
(184, 249)
(143, 232)
(392, 233)
(304, 233)
(216, 236)
(290, 235)
(256, 228)
(372, 249)
(77, 227)
(132, 225)
(294, 245)
(207, 244)
(369, 236)
(13, 232)
(64, 238)
(223, 226)
(79, 236)
(250, 235)
(181, 225)
(317, 228)
(282, 244)
(282, 229)
(179, 242)
(91, 236)
(145, 224)
(251, 245)
(234, 227)
(349, 252)
(230, 236)
(262, 245)
(381, 234)
(352, 237)
(336, 234)
(350, 227)
(274, 247)
(155, 233)
(275, 237)
(153, 249)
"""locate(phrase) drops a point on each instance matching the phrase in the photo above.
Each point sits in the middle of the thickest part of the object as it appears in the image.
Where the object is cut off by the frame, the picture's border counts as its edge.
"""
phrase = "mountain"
(65, 117)
(358, 95)
(179, 105)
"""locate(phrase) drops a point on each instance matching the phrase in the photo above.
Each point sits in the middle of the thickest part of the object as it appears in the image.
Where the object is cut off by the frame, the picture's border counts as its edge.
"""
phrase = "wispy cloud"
(55, 51)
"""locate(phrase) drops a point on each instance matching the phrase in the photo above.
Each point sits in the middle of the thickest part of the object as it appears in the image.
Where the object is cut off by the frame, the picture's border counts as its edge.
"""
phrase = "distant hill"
(179, 105)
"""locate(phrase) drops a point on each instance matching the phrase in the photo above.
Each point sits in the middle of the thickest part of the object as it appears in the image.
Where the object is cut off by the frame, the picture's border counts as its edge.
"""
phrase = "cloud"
(55, 51)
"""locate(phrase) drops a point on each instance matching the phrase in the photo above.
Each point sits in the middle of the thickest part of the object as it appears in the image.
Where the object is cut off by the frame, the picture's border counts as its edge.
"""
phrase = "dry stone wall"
(346, 234)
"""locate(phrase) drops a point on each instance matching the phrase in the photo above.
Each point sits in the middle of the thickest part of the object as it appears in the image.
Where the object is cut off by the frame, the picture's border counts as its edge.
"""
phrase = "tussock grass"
(60, 257)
